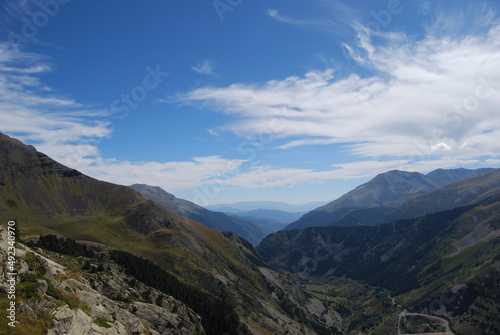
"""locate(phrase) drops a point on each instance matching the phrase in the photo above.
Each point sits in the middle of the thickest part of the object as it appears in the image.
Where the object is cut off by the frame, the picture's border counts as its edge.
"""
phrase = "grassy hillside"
(47, 198)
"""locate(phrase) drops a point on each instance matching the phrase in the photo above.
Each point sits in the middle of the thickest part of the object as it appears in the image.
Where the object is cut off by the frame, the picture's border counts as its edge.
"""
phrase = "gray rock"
(41, 287)
(113, 302)
(26, 309)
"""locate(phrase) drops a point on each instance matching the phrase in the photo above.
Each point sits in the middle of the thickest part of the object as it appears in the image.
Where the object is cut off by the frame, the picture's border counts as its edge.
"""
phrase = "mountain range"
(244, 206)
(442, 258)
(370, 203)
(404, 252)
(268, 219)
(212, 219)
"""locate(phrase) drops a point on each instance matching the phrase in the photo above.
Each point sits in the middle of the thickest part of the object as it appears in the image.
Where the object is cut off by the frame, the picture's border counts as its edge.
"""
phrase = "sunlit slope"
(46, 197)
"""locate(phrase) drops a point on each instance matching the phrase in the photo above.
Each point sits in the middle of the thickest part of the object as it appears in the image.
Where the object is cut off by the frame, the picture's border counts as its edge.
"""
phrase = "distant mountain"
(463, 192)
(272, 214)
(215, 220)
(267, 225)
(367, 204)
(272, 205)
(268, 219)
(445, 263)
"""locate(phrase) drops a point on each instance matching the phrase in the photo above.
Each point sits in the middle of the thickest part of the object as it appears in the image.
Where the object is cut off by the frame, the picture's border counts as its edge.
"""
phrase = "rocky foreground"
(55, 296)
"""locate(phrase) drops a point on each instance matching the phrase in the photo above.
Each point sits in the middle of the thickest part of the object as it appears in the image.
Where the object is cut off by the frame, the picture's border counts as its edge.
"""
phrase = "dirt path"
(445, 323)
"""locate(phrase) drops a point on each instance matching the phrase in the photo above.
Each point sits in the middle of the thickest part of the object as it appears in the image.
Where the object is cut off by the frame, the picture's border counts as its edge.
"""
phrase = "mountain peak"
(370, 202)
(212, 219)
(154, 190)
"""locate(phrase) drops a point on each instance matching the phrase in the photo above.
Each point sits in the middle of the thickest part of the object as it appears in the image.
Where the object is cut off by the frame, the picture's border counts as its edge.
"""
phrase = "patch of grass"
(72, 301)
(102, 323)
(67, 298)
(27, 288)
(451, 263)
(34, 265)
(53, 292)
(26, 325)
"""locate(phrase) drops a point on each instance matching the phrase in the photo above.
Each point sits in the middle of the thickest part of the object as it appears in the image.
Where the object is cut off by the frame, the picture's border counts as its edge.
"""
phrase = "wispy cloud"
(30, 110)
(435, 98)
(431, 103)
(205, 67)
(268, 176)
(71, 132)
(337, 17)
(170, 175)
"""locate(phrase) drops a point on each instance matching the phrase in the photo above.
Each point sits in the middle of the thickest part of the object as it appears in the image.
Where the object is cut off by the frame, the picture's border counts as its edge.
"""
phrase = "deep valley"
(403, 253)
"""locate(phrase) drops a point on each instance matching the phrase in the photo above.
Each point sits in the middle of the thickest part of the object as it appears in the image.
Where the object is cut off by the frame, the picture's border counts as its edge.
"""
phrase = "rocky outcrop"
(303, 304)
(78, 302)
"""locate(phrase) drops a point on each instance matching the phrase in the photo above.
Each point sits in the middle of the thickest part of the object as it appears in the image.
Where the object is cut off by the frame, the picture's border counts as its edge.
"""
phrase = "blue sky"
(236, 100)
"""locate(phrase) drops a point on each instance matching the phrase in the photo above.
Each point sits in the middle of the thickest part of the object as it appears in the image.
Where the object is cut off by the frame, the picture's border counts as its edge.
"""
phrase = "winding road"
(445, 322)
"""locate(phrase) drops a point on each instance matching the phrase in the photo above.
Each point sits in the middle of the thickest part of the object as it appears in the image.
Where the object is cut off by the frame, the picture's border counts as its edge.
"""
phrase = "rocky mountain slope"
(463, 192)
(367, 204)
(56, 296)
(46, 197)
(455, 254)
(215, 220)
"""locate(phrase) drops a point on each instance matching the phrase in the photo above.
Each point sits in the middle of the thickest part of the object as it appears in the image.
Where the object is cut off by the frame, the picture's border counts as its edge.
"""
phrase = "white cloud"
(267, 176)
(442, 147)
(29, 110)
(428, 97)
(170, 175)
(432, 103)
(337, 19)
(71, 132)
(205, 67)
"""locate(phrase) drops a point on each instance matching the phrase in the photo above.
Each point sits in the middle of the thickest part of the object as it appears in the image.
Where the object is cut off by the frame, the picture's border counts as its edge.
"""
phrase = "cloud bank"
(427, 103)
(437, 98)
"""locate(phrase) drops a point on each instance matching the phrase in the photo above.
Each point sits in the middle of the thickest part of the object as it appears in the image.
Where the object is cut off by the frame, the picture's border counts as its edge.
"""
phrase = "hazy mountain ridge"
(377, 197)
(215, 220)
(268, 219)
(48, 198)
(244, 206)
(271, 214)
